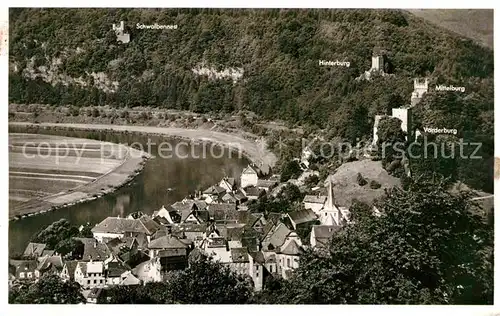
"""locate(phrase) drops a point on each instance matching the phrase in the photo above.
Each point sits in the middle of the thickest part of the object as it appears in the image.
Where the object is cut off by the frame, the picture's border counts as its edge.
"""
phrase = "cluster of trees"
(469, 160)
(59, 236)
(50, 289)
(287, 200)
(428, 247)
(278, 51)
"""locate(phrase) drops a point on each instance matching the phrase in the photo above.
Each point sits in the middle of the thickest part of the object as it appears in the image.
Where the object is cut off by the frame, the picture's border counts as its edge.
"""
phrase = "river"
(163, 181)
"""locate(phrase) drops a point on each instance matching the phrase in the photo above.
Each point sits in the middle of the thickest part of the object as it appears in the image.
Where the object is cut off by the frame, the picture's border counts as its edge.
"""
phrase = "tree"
(291, 193)
(49, 289)
(291, 170)
(71, 247)
(55, 233)
(361, 180)
(209, 282)
(389, 130)
(311, 181)
(428, 247)
(203, 282)
(375, 184)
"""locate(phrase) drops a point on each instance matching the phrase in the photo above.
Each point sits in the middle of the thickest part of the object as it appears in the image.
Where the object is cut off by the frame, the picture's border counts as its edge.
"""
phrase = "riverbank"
(256, 151)
(43, 183)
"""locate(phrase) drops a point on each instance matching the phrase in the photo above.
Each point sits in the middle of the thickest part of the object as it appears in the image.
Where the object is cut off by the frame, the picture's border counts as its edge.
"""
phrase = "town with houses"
(215, 222)
(143, 248)
(290, 225)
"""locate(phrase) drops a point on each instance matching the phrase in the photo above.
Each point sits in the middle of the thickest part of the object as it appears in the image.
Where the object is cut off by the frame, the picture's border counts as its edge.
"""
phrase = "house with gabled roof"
(240, 196)
(172, 252)
(256, 221)
(148, 271)
(68, 270)
(321, 234)
(288, 255)
(26, 270)
(164, 214)
(194, 216)
(229, 197)
(249, 176)
(266, 185)
(94, 250)
(228, 184)
(49, 265)
(314, 202)
(253, 193)
(34, 250)
(130, 279)
(276, 237)
(93, 295)
(116, 227)
(213, 194)
(192, 232)
(115, 273)
(301, 217)
(90, 274)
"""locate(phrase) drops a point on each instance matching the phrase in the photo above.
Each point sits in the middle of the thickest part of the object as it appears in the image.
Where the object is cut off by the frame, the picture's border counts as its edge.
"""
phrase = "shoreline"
(256, 151)
(253, 151)
(105, 184)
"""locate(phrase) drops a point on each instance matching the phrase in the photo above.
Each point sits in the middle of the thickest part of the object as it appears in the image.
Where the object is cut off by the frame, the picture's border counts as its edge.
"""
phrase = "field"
(47, 171)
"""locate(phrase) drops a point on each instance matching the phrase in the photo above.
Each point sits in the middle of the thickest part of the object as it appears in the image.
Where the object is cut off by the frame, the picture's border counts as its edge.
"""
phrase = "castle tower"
(378, 63)
(406, 120)
(375, 128)
(420, 87)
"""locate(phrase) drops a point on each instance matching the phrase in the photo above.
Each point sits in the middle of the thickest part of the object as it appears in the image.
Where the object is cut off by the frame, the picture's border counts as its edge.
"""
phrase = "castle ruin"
(420, 88)
(121, 36)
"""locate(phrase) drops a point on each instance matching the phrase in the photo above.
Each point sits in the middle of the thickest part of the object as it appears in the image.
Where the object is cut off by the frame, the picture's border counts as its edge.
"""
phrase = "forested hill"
(265, 61)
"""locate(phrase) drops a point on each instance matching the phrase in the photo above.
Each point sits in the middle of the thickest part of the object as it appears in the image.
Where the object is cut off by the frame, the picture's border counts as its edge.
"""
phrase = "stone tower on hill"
(378, 63)
(420, 87)
(405, 116)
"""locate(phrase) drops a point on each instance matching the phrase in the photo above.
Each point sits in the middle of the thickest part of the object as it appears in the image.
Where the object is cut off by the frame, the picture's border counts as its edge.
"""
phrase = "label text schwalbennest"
(156, 26)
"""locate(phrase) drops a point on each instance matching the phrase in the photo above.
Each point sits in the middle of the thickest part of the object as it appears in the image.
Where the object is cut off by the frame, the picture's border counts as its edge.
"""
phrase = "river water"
(163, 181)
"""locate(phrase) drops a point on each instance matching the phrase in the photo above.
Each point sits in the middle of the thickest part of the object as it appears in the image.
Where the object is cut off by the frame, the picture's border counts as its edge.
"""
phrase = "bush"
(291, 170)
(375, 185)
(361, 181)
(311, 181)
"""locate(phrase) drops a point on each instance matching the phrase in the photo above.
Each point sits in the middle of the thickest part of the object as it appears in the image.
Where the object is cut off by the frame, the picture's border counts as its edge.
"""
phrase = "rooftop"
(318, 199)
(166, 242)
(34, 249)
(119, 225)
(302, 216)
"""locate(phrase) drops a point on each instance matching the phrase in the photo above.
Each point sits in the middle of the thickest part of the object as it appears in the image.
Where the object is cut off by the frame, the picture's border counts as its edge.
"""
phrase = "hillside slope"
(476, 24)
(266, 61)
